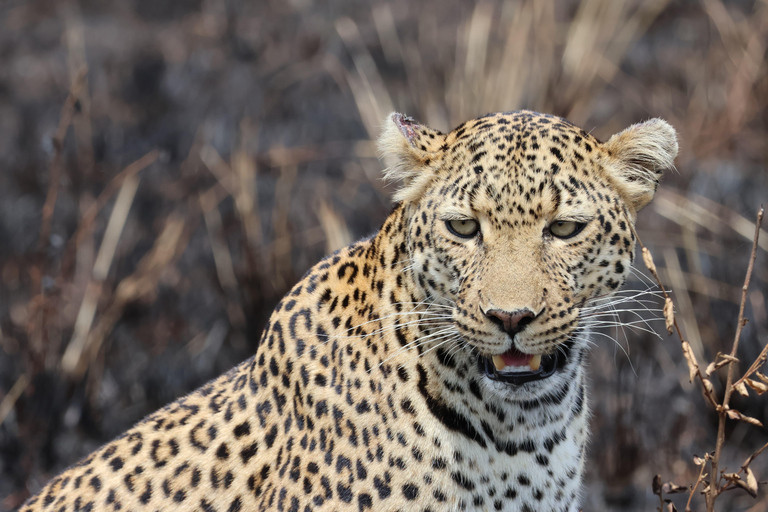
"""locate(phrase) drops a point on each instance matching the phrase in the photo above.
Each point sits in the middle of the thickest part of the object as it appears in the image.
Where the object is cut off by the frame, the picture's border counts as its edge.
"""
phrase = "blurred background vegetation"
(168, 168)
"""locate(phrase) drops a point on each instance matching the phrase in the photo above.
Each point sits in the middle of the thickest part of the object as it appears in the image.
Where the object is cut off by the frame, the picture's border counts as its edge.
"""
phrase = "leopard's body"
(366, 391)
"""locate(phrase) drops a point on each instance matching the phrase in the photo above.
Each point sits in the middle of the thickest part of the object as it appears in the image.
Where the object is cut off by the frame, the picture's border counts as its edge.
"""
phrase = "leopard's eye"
(464, 228)
(566, 228)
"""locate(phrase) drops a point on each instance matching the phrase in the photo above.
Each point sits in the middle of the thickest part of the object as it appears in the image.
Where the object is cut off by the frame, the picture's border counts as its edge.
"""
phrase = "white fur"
(638, 154)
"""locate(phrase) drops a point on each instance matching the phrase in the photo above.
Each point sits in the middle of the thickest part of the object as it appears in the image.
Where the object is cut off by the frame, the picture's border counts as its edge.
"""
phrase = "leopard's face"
(520, 228)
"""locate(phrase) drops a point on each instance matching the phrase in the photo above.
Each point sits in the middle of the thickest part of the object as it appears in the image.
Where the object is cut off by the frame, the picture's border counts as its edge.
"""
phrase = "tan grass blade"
(335, 228)
(367, 86)
(72, 357)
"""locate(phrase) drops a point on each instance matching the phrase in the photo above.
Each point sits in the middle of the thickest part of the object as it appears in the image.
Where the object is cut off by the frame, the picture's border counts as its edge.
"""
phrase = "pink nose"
(511, 322)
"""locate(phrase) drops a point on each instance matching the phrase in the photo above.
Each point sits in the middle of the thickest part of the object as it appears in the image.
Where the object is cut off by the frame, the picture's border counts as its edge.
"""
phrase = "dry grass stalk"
(706, 214)
(65, 119)
(281, 229)
(72, 358)
(246, 198)
(85, 226)
(10, 398)
(335, 228)
(74, 37)
(744, 478)
(367, 86)
(222, 258)
(141, 285)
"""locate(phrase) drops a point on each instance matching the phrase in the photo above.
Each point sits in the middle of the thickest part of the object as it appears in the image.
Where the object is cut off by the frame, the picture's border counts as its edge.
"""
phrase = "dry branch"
(715, 490)
(733, 480)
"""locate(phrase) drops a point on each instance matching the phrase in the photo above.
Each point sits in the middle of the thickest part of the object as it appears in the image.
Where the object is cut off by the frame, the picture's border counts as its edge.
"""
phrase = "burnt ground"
(168, 168)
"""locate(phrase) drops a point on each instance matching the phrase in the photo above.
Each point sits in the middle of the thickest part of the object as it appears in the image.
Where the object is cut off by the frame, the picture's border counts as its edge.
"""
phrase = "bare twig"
(752, 457)
(754, 366)
(701, 477)
(714, 489)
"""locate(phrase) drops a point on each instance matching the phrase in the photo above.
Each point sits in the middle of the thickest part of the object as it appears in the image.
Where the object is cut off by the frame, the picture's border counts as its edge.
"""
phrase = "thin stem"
(714, 488)
(755, 366)
(696, 486)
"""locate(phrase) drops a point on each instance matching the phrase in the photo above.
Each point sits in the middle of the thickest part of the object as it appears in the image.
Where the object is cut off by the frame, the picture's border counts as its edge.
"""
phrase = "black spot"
(383, 489)
(116, 464)
(195, 477)
(147, 494)
(363, 407)
(236, 505)
(410, 491)
(270, 437)
(248, 452)
(364, 501)
(273, 367)
(343, 268)
(463, 481)
(345, 493)
(242, 429)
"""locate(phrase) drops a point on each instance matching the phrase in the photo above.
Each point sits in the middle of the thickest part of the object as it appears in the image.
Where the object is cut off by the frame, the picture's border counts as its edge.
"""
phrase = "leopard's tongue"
(516, 361)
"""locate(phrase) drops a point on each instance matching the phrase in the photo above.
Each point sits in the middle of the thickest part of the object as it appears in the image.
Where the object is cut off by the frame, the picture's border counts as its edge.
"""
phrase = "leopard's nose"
(511, 322)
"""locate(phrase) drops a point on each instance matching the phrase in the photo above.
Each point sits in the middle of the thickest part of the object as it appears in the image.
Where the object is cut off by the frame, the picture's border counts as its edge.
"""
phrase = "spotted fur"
(365, 392)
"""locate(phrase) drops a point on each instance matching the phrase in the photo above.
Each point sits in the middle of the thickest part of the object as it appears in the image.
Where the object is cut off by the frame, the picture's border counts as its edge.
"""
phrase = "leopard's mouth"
(516, 368)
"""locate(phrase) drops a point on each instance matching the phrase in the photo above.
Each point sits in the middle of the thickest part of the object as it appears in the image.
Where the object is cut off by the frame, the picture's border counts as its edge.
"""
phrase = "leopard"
(437, 365)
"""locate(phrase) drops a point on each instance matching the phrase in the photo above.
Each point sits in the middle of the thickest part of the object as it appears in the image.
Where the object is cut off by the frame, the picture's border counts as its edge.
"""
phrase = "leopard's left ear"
(408, 149)
(637, 158)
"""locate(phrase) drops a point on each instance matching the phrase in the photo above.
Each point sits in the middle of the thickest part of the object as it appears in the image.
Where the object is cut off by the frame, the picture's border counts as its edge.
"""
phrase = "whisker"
(446, 333)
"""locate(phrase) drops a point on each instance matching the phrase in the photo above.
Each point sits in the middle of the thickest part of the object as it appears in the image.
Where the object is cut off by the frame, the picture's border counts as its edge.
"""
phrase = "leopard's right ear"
(637, 158)
(409, 150)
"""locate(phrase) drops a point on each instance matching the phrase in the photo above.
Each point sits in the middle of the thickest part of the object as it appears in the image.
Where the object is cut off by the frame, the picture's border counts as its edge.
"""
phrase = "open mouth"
(516, 368)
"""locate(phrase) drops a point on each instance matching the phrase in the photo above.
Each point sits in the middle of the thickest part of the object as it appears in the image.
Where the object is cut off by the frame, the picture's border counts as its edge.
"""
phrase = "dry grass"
(250, 128)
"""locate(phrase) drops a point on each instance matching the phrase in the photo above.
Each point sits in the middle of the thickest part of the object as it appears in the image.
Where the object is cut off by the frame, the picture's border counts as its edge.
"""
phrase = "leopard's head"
(517, 223)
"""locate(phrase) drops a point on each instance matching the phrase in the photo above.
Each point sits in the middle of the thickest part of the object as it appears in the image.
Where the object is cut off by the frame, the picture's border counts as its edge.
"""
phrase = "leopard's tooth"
(535, 362)
(498, 362)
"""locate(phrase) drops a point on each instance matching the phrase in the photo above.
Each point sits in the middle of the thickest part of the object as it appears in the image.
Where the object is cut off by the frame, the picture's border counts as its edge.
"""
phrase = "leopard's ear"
(637, 158)
(408, 149)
